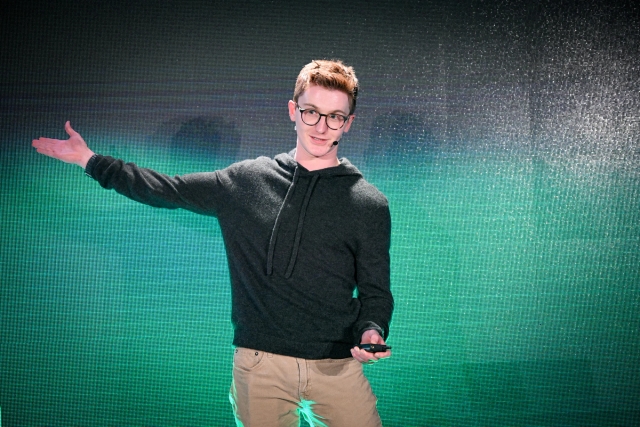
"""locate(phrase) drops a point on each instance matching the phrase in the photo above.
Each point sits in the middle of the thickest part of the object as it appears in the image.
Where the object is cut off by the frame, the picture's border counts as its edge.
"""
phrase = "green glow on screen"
(516, 281)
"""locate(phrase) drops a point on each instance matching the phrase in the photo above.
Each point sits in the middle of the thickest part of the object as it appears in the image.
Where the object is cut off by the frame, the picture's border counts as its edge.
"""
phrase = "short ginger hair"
(330, 74)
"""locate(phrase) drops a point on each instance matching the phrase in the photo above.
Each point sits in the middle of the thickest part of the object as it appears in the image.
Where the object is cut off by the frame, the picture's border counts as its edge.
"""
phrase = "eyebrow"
(310, 105)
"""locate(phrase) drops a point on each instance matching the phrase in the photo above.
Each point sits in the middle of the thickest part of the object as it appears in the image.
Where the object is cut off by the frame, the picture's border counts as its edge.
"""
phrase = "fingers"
(45, 142)
(44, 145)
(42, 142)
(359, 355)
(365, 357)
(51, 147)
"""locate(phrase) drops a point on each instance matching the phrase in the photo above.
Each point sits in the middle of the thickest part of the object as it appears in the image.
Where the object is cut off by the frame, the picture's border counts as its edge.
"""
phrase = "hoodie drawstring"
(276, 226)
(303, 211)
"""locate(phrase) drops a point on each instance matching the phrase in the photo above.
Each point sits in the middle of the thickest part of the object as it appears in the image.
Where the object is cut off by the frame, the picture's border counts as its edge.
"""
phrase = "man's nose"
(321, 126)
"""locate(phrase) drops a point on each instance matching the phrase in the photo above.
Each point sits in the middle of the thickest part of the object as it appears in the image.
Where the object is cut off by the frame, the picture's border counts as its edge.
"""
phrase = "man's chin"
(318, 150)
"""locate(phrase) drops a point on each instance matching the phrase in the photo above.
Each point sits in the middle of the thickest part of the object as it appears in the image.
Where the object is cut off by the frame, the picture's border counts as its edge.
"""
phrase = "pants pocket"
(246, 359)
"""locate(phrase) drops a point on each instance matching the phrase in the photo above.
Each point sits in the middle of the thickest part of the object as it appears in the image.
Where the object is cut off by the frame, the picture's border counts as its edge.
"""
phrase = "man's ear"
(348, 124)
(292, 111)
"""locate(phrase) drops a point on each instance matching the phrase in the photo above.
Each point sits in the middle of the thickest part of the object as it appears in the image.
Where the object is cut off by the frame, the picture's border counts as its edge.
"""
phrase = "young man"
(304, 233)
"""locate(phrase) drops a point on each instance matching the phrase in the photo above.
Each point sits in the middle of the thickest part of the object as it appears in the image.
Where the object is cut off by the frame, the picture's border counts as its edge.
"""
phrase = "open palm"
(73, 150)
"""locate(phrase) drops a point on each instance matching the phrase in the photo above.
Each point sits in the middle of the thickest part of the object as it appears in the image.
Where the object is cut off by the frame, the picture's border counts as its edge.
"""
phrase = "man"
(307, 241)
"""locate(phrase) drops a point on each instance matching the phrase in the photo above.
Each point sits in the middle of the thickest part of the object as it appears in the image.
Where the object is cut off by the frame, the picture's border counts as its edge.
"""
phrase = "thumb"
(69, 129)
(374, 337)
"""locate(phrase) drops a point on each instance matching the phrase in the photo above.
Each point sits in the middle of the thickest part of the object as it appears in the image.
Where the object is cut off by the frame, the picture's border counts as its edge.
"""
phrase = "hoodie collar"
(288, 162)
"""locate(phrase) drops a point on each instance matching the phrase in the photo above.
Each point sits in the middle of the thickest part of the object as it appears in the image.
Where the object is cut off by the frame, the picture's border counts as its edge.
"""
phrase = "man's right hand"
(73, 150)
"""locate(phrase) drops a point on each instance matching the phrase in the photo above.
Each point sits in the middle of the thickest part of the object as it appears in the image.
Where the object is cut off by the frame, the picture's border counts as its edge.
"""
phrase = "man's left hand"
(370, 336)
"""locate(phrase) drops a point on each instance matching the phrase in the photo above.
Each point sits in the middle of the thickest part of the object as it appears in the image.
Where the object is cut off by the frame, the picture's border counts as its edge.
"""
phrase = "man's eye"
(335, 117)
(312, 112)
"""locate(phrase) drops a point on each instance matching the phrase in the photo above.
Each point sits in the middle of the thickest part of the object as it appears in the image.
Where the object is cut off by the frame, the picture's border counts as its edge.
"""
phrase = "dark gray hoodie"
(298, 244)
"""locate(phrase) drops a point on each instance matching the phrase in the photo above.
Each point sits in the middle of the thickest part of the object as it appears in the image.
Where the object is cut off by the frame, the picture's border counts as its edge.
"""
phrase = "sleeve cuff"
(88, 170)
(365, 327)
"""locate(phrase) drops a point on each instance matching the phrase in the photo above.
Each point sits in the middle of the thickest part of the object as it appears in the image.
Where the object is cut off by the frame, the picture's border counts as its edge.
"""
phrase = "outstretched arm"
(73, 150)
(198, 192)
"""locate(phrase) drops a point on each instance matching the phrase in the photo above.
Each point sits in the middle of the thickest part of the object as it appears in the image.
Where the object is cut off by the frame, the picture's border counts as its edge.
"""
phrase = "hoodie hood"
(288, 163)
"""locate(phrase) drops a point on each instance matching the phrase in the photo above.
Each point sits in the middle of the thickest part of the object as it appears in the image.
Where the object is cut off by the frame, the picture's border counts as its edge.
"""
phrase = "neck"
(312, 163)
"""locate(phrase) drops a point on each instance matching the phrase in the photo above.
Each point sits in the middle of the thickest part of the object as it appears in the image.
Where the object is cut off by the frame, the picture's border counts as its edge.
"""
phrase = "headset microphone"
(335, 143)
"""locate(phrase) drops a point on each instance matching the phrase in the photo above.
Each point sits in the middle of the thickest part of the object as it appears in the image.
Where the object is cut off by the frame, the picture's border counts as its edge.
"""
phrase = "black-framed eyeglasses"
(311, 117)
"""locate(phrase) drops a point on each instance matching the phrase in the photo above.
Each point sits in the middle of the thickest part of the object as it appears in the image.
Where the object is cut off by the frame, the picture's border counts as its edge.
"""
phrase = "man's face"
(316, 142)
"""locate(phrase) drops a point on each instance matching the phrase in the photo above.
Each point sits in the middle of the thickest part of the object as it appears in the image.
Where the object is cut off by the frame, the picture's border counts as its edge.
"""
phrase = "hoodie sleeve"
(373, 274)
(199, 192)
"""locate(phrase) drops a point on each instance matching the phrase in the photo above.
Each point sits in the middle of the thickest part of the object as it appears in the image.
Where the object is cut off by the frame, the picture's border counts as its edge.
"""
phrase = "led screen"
(504, 134)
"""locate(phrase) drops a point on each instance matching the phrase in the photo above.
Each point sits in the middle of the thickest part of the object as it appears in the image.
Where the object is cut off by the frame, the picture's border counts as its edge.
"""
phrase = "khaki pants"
(274, 390)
